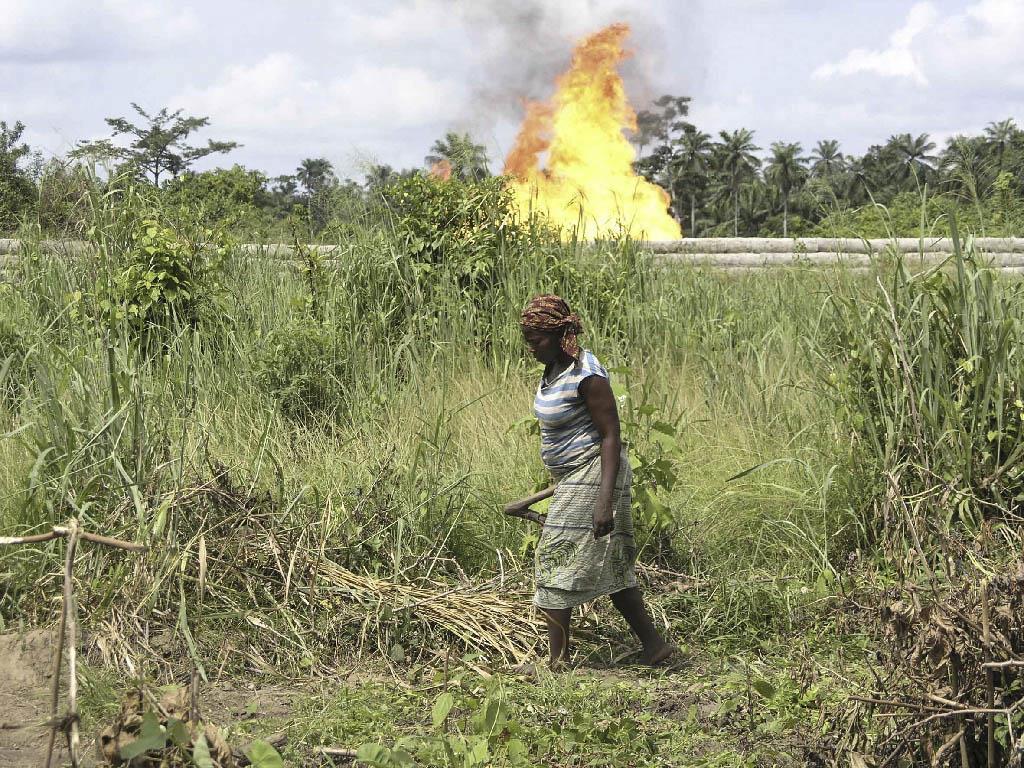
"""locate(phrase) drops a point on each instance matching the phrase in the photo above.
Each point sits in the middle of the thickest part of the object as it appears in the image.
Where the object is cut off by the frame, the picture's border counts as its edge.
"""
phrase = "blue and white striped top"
(568, 436)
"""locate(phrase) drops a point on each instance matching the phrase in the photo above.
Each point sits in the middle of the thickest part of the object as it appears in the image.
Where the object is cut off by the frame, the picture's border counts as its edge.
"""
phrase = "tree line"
(718, 185)
(721, 185)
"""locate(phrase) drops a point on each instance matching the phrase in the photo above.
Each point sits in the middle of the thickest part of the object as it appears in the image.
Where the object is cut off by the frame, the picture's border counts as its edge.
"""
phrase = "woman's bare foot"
(659, 655)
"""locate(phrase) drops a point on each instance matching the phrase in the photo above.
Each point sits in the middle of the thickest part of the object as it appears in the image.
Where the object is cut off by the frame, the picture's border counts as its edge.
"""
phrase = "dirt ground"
(25, 683)
(25, 680)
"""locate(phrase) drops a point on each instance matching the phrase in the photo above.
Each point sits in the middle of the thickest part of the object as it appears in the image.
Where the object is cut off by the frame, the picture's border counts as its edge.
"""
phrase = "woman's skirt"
(572, 567)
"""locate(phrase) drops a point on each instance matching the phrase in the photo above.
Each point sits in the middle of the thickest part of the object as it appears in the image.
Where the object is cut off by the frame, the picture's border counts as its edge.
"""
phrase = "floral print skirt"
(572, 567)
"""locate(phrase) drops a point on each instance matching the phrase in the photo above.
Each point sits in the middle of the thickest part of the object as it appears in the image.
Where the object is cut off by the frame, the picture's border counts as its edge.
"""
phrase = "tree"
(691, 164)
(735, 160)
(157, 146)
(648, 128)
(379, 177)
(230, 195)
(665, 123)
(964, 166)
(17, 191)
(999, 139)
(826, 159)
(316, 175)
(786, 172)
(912, 158)
(468, 160)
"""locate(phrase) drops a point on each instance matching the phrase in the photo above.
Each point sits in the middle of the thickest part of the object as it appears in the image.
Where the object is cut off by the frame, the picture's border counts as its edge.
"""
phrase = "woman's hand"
(604, 520)
(521, 508)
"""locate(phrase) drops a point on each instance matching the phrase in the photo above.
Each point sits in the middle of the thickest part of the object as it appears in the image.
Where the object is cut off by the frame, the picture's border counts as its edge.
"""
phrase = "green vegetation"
(317, 449)
(732, 186)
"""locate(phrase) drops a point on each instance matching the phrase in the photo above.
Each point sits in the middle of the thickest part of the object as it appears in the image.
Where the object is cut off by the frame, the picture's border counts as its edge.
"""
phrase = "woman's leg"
(630, 603)
(558, 633)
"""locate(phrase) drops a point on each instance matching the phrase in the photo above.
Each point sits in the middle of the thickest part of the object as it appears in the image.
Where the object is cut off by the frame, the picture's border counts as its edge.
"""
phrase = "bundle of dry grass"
(496, 624)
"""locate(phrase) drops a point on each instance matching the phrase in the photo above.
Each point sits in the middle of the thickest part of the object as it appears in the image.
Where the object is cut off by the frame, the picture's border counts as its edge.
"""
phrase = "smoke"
(522, 47)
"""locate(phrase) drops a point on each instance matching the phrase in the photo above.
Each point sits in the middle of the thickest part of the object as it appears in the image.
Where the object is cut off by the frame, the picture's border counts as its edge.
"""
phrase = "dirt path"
(24, 697)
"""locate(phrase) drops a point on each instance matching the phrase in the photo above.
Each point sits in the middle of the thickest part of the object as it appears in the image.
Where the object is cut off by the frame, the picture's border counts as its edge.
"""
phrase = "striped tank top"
(568, 436)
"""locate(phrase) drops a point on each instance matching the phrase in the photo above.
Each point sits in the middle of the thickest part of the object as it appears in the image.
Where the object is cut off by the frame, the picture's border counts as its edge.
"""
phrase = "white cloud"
(896, 60)
(280, 96)
(65, 29)
(405, 22)
(976, 50)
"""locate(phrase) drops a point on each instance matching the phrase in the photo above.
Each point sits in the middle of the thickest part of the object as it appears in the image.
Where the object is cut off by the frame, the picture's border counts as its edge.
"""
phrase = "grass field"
(317, 453)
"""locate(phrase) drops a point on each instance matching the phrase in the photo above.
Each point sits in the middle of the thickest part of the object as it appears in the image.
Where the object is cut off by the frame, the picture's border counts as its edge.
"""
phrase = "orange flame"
(589, 180)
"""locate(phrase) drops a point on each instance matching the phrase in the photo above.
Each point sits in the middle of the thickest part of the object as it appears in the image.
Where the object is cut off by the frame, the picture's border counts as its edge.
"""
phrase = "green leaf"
(479, 755)
(664, 428)
(516, 751)
(765, 688)
(262, 755)
(201, 752)
(754, 468)
(151, 736)
(177, 733)
(402, 758)
(374, 754)
(397, 653)
(442, 706)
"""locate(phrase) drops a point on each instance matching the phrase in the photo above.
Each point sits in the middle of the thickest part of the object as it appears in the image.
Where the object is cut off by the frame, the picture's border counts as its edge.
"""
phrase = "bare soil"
(25, 681)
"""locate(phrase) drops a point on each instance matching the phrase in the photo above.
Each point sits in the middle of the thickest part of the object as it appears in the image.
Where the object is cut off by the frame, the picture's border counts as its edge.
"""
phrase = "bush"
(304, 367)
(462, 226)
(162, 275)
(63, 207)
(929, 376)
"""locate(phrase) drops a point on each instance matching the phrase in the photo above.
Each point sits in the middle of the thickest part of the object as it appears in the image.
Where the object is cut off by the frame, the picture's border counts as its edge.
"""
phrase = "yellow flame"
(589, 180)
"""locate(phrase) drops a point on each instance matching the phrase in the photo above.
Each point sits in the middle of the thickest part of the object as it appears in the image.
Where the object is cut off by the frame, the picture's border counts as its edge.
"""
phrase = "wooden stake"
(72, 612)
(990, 700)
(58, 652)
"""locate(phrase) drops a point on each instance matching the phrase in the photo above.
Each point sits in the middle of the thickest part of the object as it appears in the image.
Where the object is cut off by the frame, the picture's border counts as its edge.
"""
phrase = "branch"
(61, 531)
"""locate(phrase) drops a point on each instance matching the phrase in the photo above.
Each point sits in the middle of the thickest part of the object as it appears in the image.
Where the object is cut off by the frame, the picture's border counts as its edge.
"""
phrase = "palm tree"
(690, 168)
(736, 161)
(379, 176)
(315, 173)
(786, 171)
(1000, 137)
(857, 185)
(826, 159)
(912, 158)
(965, 166)
(468, 160)
(755, 203)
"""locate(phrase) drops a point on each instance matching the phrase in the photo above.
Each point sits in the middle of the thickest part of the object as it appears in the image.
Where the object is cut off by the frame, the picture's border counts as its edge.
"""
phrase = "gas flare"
(589, 181)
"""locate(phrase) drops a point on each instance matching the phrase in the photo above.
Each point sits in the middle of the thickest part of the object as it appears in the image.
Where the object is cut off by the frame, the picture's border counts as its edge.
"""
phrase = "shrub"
(930, 378)
(161, 276)
(304, 367)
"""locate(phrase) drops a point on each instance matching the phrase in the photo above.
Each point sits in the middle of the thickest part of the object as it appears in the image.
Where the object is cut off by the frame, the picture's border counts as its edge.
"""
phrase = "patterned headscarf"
(549, 313)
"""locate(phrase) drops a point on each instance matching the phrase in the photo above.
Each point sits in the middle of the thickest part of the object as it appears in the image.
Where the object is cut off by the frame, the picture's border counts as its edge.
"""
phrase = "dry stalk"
(990, 697)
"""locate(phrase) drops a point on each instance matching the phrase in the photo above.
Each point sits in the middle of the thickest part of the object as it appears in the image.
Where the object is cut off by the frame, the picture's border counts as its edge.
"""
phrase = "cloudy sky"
(377, 81)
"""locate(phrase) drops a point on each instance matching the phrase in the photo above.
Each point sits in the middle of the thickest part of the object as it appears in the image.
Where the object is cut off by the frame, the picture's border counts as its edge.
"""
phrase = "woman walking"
(587, 548)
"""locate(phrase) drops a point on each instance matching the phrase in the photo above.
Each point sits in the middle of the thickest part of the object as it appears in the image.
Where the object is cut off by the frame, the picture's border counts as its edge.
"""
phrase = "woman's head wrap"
(550, 314)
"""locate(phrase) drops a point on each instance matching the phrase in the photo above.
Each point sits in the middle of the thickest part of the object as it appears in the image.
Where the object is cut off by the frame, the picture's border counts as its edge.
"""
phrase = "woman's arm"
(597, 394)
(521, 507)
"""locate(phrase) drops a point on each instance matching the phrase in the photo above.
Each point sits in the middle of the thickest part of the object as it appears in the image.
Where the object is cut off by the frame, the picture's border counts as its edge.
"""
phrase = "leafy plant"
(304, 367)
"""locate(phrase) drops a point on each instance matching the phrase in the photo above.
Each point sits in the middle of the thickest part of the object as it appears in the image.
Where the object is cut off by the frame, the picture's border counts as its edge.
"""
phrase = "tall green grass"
(212, 418)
